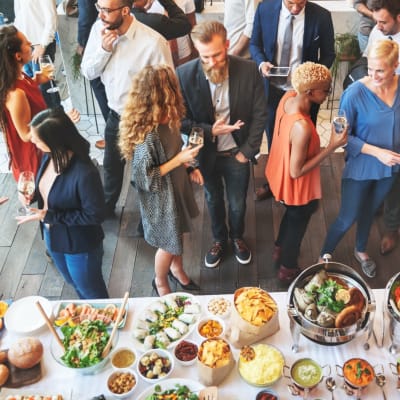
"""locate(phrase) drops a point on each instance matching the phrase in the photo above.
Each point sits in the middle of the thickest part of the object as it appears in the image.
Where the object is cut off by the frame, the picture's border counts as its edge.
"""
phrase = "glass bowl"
(57, 352)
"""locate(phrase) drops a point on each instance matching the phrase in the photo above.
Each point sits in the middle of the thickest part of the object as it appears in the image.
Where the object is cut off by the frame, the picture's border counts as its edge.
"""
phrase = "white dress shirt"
(37, 20)
(138, 47)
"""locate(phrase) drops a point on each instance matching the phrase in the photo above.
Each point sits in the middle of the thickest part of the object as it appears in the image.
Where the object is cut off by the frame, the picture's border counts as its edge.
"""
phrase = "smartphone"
(279, 71)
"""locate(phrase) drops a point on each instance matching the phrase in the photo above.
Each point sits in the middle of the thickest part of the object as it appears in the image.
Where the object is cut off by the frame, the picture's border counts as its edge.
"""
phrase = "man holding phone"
(118, 47)
(311, 39)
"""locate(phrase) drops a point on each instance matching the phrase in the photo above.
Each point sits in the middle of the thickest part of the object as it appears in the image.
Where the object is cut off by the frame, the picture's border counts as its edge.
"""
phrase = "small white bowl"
(125, 375)
(191, 349)
(219, 307)
(123, 357)
(148, 367)
(213, 333)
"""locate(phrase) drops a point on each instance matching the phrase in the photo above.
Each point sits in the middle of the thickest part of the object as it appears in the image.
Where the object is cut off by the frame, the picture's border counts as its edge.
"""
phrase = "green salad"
(180, 392)
(84, 343)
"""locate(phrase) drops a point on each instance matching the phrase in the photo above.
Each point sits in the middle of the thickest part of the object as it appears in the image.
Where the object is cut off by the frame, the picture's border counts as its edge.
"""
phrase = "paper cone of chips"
(214, 361)
(253, 317)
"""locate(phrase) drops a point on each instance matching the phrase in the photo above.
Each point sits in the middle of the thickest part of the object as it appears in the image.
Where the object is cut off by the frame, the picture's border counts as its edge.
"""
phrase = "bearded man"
(224, 96)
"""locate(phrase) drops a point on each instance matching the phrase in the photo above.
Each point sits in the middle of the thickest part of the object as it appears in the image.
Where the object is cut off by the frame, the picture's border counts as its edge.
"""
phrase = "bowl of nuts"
(155, 365)
(122, 383)
(219, 307)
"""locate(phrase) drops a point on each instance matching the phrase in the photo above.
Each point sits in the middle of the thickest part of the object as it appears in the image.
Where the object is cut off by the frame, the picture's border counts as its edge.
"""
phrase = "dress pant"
(101, 97)
(391, 213)
(359, 203)
(112, 162)
(234, 176)
(291, 231)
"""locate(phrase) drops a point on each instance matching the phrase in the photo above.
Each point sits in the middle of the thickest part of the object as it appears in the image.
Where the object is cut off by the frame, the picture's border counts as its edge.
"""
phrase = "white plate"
(23, 316)
(170, 384)
(139, 345)
(64, 392)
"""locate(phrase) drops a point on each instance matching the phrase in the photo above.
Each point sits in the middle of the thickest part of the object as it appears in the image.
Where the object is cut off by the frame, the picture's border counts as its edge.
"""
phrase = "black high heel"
(153, 283)
(190, 286)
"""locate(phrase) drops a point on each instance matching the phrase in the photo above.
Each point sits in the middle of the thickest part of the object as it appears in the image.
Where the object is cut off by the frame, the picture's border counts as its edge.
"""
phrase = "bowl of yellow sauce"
(123, 357)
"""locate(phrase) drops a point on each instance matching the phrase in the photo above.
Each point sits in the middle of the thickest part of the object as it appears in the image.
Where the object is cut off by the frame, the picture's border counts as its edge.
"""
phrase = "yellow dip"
(123, 358)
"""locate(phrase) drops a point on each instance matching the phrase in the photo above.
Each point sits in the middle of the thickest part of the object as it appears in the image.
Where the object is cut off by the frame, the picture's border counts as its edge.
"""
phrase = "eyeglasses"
(106, 10)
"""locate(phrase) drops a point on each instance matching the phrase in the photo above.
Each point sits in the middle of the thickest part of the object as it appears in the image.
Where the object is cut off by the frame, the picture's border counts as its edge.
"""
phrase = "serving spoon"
(380, 381)
(330, 385)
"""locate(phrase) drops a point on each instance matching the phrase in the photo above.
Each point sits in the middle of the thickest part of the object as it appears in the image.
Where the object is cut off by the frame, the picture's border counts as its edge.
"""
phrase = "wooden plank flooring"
(128, 261)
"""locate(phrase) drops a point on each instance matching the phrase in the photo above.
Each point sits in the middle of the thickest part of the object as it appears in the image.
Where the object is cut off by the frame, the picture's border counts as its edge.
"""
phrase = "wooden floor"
(128, 261)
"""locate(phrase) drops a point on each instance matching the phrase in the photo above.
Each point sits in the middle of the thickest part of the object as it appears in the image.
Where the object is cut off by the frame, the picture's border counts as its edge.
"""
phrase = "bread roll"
(25, 352)
(4, 373)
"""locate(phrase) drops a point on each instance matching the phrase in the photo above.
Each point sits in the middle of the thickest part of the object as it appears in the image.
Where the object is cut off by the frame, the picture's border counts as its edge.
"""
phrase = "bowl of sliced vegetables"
(83, 347)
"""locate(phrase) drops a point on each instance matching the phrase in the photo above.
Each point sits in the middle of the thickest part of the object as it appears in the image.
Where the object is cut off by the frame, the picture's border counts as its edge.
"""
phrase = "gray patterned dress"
(166, 202)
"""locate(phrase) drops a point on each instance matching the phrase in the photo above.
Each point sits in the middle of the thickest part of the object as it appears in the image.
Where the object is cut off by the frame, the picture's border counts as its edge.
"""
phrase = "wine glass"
(26, 186)
(340, 121)
(47, 67)
(196, 138)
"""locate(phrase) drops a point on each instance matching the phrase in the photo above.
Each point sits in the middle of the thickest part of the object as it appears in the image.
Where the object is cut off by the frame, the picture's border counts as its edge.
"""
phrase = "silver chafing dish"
(299, 325)
(393, 313)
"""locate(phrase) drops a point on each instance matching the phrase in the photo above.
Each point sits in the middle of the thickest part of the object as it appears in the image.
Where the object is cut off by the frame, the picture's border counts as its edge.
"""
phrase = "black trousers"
(291, 232)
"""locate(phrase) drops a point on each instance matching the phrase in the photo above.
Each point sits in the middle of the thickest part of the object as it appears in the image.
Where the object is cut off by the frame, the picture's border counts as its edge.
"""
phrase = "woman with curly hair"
(150, 136)
(293, 165)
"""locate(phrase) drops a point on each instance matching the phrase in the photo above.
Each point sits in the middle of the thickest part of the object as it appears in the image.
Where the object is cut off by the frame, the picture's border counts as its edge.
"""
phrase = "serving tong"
(209, 393)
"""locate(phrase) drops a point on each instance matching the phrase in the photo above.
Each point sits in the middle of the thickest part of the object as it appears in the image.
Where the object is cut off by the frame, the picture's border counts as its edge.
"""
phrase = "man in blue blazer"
(313, 40)
(224, 95)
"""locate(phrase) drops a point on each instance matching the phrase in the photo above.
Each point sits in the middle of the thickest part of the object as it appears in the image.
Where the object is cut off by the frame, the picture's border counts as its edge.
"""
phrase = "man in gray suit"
(224, 96)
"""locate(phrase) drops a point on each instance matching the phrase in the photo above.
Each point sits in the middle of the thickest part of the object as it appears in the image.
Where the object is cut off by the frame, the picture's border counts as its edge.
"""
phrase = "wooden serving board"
(21, 377)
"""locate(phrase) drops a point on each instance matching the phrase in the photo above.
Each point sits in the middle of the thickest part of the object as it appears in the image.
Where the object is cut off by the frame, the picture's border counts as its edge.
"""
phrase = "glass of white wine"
(26, 186)
(196, 138)
(340, 121)
(47, 67)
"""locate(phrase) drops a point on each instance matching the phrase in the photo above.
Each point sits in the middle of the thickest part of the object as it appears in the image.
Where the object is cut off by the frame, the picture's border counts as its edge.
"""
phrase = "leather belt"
(228, 153)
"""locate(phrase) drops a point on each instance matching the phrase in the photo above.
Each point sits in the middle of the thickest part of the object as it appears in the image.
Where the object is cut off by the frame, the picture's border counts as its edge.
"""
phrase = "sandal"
(368, 266)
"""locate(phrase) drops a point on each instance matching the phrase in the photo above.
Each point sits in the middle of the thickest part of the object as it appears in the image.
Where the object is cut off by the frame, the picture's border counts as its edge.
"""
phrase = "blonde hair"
(386, 50)
(154, 97)
(205, 31)
(307, 75)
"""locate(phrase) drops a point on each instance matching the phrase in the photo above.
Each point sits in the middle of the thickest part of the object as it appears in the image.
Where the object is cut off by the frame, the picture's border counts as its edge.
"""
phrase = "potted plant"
(346, 49)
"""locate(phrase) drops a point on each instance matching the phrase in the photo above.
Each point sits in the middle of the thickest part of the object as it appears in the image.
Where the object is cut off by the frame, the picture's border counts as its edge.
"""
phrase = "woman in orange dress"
(293, 164)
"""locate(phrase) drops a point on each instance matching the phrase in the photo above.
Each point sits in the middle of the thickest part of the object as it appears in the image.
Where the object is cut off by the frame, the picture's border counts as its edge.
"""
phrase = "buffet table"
(57, 379)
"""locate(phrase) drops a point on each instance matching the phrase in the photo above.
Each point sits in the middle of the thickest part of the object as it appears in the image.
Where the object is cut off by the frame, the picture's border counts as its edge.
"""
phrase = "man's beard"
(216, 74)
(114, 25)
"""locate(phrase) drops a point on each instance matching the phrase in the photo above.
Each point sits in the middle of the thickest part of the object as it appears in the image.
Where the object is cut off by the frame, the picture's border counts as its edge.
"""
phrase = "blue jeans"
(82, 270)
(113, 163)
(291, 231)
(360, 201)
(362, 41)
(235, 176)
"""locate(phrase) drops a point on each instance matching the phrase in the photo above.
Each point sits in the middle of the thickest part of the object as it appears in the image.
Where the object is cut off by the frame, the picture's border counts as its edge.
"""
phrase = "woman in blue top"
(70, 203)
(372, 107)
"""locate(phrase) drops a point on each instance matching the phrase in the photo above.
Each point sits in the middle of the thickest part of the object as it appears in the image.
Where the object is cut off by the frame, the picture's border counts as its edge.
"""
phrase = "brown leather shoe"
(389, 242)
(288, 274)
(262, 193)
(100, 144)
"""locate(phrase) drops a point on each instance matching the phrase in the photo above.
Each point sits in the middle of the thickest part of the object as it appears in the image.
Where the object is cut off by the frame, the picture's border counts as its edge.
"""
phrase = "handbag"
(71, 8)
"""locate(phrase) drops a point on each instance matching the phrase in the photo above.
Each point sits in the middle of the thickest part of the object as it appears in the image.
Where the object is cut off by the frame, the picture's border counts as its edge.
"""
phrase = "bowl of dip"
(306, 373)
(123, 357)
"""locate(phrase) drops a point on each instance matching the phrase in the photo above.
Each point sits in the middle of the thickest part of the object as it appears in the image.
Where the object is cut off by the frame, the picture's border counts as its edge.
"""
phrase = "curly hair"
(10, 44)
(154, 97)
(307, 75)
(385, 49)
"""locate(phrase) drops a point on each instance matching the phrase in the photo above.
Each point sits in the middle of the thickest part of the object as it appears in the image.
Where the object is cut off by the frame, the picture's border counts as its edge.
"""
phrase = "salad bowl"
(84, 359)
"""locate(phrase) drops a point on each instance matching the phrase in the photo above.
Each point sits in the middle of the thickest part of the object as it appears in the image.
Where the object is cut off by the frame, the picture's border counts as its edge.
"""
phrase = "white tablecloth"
(56, 378)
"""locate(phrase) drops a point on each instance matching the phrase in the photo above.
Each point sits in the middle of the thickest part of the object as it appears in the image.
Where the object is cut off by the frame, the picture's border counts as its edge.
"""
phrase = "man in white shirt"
(119, 46)
(386, 13)
(238, 21)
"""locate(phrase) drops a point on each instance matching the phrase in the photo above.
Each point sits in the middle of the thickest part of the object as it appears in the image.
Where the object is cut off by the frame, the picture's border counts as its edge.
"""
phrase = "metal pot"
(330, 336)
(394, 315)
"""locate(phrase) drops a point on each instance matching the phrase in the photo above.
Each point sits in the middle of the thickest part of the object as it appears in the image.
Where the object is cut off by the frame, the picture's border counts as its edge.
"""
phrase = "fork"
(209, 393)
